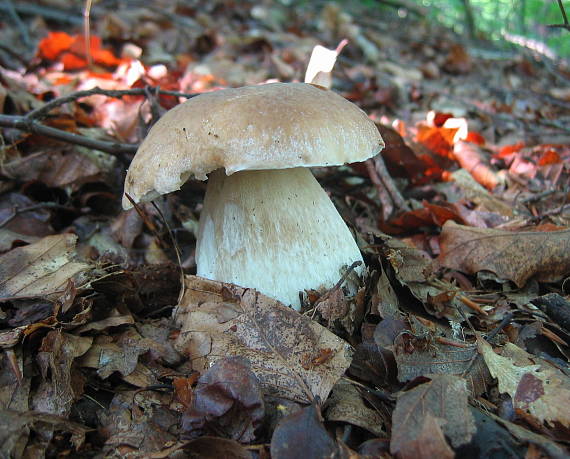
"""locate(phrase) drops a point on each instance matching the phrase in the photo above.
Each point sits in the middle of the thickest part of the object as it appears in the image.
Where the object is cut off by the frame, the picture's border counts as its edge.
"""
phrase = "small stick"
(471, 304)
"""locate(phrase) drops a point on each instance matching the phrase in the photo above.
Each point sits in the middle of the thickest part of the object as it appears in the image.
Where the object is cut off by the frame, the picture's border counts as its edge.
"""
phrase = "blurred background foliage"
(506, 22)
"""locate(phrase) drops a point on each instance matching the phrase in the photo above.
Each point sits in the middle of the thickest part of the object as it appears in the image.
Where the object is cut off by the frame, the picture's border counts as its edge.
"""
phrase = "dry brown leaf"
(417, 356)
(513, 256)
(41, 268)
(227, 399)
(121, 354)
(414, 268)
(445, 398)
(59, 389)
(346, 405)
(135, 432)
(15, 427)
(284, 347)
(302, 434)
(479, 195)
(534, 385)
(429, 442)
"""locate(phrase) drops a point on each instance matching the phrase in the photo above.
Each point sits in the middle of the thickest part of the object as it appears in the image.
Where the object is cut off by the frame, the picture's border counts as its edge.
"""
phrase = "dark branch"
(30, 121)
(25, 124)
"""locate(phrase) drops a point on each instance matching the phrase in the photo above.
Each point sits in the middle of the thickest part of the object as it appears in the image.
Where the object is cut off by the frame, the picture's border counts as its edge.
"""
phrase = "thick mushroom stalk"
(273, 230)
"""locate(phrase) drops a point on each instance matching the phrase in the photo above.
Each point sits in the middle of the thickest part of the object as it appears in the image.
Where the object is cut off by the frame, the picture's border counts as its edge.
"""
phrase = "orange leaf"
(72, 62)
(549, 157)
(54, 44)
(105, 57)
(508, 150)
(439, 140)
(476, 138)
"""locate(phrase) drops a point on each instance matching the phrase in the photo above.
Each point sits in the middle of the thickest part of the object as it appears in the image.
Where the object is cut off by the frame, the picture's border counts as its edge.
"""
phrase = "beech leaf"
(293, 356)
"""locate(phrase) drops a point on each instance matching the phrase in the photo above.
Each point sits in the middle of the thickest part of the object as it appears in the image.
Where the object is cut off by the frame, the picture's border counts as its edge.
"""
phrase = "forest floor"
(458, 339)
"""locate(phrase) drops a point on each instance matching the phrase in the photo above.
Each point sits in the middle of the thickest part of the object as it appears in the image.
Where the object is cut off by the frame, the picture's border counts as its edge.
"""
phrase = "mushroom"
(266, 222)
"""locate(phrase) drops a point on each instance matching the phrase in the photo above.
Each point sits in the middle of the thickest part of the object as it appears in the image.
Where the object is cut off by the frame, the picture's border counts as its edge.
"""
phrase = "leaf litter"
(463, 221)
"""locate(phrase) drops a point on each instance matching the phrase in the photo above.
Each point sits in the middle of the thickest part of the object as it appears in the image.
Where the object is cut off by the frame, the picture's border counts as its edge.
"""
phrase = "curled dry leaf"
(346, 405)
(283, 346)
(227, 401)
(41, 268)
(513, 256)
(471, 158)
(445, 400)
(534, 385)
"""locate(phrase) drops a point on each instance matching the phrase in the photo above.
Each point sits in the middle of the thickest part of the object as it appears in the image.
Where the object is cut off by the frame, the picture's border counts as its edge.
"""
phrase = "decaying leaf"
(59, 388)
(214, 448)
(516, 256)
(132, 430)
(445, 400)
(15, 427)
(227, 401)
(534, 385)
(346, 405)
(283, 346)
(302, 434)
(423, 356)
(41, 268)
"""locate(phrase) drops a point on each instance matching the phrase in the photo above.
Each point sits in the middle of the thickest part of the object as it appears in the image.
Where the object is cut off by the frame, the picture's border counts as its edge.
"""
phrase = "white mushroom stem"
(273, 230)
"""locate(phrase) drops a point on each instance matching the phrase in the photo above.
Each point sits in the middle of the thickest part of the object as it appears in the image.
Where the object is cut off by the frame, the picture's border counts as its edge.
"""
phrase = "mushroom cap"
(271, 126)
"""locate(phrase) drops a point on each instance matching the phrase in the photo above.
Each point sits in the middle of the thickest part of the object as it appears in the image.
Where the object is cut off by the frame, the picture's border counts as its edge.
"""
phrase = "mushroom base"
(276, 231)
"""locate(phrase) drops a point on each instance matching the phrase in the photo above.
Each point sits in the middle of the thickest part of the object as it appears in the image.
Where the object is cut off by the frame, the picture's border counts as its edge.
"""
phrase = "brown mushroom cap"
(272, 126)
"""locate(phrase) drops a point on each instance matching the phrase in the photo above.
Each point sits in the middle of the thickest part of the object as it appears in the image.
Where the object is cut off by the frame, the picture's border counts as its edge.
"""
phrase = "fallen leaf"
(515, 256)
(226, 401)
(15, 427)
(423, 356)
(473, 191)
(214, 448)
(429, 441)
(54, 44)
(534, 385)
(302, 434)
(346, 405)
(220, 320)
(60, 387)
(139, 432)
(41, 268)
(471, 158)
(444, 399)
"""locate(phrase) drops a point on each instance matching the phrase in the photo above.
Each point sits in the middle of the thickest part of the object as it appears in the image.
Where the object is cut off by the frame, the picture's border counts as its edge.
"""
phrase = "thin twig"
(87, 32)
(42, 112)
(30, 121)
(388, 183)
(25, 124)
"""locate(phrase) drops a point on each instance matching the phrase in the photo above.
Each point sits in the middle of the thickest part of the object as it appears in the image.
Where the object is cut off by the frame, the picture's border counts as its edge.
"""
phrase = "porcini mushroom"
(266, 223)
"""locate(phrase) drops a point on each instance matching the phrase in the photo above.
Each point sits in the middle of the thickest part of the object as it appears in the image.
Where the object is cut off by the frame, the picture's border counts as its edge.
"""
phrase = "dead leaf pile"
(456, 343)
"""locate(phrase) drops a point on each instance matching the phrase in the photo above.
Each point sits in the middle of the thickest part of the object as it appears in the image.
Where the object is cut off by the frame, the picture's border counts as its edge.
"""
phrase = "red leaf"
(54, 44)
(549, 157)
(72, 62)
(476, 138)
